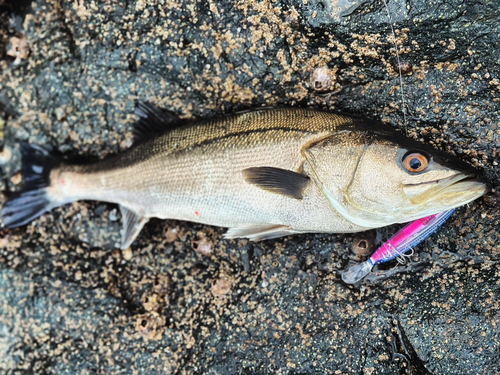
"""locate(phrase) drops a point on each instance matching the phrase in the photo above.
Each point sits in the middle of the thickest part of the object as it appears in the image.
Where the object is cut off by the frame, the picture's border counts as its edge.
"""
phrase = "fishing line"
(401, 258)
(399, 65)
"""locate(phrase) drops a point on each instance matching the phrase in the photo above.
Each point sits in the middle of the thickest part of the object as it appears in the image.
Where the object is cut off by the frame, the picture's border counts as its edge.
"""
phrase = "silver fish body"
(263, 174)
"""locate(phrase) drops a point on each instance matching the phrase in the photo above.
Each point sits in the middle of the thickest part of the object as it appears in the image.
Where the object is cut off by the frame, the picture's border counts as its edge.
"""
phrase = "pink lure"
(406, 238)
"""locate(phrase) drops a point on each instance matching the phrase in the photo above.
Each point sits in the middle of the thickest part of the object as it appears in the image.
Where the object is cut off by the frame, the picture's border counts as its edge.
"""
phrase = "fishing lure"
(406, 238)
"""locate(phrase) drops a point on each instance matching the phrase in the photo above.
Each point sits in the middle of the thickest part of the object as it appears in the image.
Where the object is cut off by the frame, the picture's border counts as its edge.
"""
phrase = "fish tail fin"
(32, 200)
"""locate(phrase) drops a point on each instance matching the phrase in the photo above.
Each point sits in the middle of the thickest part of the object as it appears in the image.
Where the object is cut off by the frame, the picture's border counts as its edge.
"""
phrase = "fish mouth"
(459, 189)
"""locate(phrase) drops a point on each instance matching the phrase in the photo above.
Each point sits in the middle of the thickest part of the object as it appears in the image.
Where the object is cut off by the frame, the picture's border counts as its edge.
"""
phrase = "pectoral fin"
(259, 232)
(276, 180)
(132, 225)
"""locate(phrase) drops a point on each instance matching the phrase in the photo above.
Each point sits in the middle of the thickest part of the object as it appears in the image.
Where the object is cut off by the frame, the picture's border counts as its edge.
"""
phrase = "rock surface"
(71, 303)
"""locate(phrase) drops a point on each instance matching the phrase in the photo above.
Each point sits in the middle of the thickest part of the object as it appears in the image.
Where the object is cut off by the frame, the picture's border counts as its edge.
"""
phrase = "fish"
(263, 173)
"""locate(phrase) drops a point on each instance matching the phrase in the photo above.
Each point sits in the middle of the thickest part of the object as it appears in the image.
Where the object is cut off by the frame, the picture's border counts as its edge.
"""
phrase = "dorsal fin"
(152, 122)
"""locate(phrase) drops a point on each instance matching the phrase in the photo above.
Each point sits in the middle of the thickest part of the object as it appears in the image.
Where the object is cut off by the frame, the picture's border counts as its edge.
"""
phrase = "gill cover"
(332, 164)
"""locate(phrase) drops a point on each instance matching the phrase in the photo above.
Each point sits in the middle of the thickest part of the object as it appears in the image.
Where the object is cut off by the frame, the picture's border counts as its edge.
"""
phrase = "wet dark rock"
(70, 304)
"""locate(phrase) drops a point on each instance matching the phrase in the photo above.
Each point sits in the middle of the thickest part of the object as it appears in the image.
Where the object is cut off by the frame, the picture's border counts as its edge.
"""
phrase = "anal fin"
(132, 225)
(259, 232)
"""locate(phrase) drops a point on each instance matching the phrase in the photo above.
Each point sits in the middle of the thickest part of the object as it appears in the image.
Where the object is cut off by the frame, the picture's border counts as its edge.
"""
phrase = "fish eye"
(415, 162)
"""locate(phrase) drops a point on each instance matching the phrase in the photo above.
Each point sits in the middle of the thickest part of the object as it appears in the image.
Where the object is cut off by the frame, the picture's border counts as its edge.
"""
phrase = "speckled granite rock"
(70, 303)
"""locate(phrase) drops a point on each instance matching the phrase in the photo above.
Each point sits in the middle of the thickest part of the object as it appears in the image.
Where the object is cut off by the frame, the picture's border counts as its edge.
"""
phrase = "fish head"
(376, 176)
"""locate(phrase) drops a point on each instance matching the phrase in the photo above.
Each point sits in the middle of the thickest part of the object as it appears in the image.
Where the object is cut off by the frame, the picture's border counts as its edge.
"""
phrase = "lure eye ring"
(415, 162)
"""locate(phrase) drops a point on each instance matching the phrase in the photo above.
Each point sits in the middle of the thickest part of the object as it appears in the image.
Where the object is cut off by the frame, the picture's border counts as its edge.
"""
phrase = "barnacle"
(161, 285)
(323, 79)
(405, 67)
(171, 234)
(291, 18)
(363, 245)
(202, 245)
(19, 48)
(221, 286)
(5, 155)
(127, 254)
(149, 325)
(151, 302)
